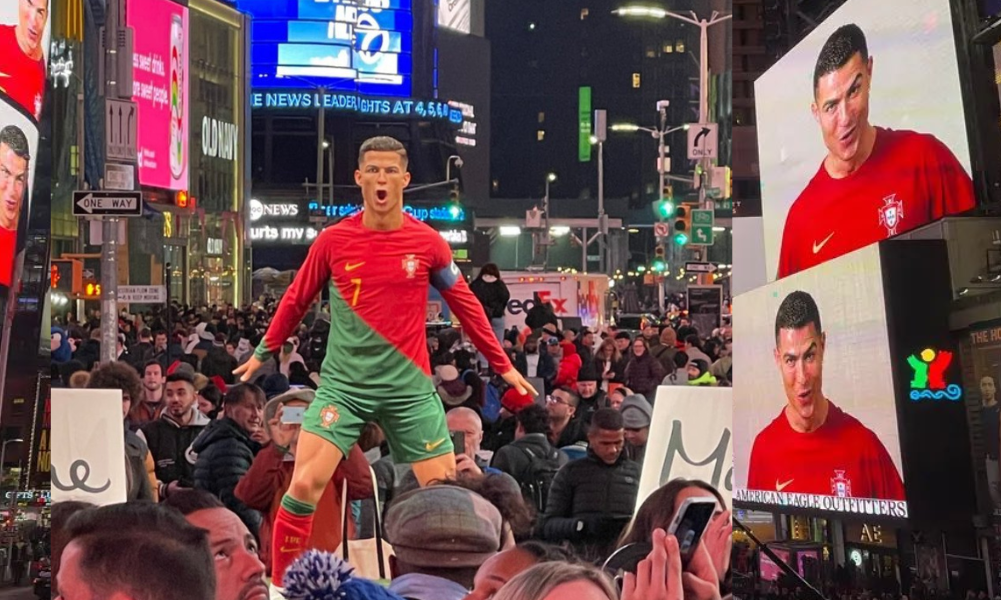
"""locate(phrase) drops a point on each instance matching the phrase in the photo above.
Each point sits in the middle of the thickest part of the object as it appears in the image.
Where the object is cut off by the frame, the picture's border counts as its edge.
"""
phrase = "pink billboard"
(160, 90)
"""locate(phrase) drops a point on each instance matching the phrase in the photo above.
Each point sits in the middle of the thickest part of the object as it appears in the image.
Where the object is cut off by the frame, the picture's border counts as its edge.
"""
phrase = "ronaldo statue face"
(382, 175)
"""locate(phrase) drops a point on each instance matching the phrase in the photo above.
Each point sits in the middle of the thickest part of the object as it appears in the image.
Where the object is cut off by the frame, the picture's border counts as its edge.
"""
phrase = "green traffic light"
(658, 266)
(455, 210)
(681, 239)
(666, 208)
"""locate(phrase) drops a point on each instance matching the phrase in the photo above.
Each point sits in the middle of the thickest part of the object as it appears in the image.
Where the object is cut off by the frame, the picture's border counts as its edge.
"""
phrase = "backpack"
(538, 477)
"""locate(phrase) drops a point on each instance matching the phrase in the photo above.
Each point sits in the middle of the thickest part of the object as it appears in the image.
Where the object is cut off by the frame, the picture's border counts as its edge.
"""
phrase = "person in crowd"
(170, 436)
(564, 430)
(585, 346)
(591, 500)
(591, 396)
(539, 363)
(60, 534)
(289, 355)
(493, 294)
(679, 373)
(120, 376)
(503, 566)
(531, 455)
(149, 406)
(205, 337)
(693, 348)
(468, 459)
(225, 450)
(569, 365)
(698, 373)
(318, 575)
(239, 572)
(617, 397)
(559, 580)
(441, 535)
(502, 432)
(644, 372)
(667, 349)
(135, 551)
(623, 341)
(270, 474)
(218, 361)
(552, 349)
(541, 314)
(209, 400)
(658, 511)
(636, 417)
(610, 364)
(142, 350)
(723, 364)
(453, 389)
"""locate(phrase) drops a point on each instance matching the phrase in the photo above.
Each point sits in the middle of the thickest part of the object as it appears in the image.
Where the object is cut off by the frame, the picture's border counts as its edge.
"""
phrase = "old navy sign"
(405, 108)
(219, 139)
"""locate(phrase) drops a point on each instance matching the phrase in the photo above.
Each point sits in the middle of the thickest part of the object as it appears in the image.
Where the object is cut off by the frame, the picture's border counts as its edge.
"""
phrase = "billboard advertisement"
(160, 91)
(18, 157)
(362, 46)
(814, 430)
(24, 46)
(853, 149)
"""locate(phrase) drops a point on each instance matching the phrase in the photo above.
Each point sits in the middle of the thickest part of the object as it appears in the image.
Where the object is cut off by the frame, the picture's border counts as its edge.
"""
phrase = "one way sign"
(703, 141)
(107, 204)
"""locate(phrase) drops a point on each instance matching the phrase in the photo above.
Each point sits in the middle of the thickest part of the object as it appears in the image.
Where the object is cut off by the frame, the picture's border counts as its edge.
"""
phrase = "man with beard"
(591, 396)
(170, 436)
(150, 406)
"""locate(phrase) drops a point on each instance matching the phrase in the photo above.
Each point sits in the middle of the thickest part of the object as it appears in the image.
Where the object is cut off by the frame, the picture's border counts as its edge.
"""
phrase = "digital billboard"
(363, 46)
(160, 91)
(18, 157)
(24, 46)
(854, 145)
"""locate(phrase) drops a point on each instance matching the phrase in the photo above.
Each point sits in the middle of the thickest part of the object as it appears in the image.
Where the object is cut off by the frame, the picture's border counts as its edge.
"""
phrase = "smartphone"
(292, 415)
(690, 523)
(459, 442)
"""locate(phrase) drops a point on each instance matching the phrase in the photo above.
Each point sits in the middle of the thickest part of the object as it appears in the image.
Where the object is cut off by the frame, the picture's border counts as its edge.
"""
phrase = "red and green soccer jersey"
(910, 179)
(378, 303)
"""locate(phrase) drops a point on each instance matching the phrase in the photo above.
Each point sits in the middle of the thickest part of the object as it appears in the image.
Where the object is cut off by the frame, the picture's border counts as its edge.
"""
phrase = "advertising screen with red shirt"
(160, 90)
(24, 46)
(18, 157)
(855, 144)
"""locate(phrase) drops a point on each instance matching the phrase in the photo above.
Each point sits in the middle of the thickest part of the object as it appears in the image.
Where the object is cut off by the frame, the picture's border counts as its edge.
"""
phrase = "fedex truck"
(571, 295)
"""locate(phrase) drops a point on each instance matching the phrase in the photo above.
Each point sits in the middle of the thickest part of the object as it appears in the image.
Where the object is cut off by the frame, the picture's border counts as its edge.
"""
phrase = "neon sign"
(929, 376)
(423, 214)
(406, 108)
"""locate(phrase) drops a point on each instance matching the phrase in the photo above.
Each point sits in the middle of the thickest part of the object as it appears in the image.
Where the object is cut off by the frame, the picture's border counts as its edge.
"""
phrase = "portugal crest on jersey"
(329, 416)
(891, 214)
(841, 486)
(410, 265)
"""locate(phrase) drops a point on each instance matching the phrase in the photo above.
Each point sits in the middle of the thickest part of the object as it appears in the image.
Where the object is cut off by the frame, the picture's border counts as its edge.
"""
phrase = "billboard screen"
(18, 157)
(24, 46)
(363, 46)
(160, 91)
(816, 407)
(853, 147)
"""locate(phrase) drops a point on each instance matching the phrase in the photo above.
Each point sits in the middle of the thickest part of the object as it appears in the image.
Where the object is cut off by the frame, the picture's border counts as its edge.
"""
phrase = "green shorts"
(415, 429)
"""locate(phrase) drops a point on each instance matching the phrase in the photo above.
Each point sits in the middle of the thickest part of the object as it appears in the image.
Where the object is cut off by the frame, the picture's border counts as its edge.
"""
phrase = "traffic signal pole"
(109, 247)
(661, 155)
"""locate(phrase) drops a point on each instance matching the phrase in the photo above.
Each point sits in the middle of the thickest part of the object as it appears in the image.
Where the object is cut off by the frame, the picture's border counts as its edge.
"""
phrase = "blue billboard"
(363, 46)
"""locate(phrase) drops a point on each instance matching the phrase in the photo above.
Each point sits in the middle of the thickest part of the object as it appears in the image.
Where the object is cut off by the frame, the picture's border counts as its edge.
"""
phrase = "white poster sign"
(88, 453)
(691, 437)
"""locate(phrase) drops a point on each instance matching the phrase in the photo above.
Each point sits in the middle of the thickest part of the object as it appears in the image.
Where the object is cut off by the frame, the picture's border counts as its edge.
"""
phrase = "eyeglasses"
(555, 400)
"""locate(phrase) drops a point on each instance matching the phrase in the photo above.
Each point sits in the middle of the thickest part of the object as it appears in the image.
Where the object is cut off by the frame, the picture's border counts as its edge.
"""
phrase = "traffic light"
(682, 224)
(455, 204)
(664, 207)
(66, 275)
(727, 182)
(659, 261)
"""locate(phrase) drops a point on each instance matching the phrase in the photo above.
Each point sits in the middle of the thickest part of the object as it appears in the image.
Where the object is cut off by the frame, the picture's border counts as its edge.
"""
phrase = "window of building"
(636, 80)
(679, 46)
(542, 117)
(583, 13)
(668, 48)
(540, 135)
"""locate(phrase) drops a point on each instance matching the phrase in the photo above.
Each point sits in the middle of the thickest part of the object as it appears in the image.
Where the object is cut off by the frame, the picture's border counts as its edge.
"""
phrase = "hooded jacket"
(225, 453)
(492, 294)
(168, 442)
(705, 377)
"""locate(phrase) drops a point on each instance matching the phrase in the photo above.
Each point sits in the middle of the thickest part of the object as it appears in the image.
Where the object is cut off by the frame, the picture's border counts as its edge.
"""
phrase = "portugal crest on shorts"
(410, 265)
(329, 416)
(841, 486)
(891, 214)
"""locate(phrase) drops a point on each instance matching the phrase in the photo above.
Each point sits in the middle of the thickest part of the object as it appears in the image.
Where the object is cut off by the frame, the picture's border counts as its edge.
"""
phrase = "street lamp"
(550, 178)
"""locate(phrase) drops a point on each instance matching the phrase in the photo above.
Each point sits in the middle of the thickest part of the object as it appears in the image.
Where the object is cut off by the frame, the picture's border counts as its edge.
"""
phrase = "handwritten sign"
(691, 436)
(88, 456)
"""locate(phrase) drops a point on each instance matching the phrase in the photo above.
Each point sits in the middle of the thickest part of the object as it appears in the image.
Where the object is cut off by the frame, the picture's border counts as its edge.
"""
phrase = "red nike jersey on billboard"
(842, 458)
(909, 180)
(21, 78)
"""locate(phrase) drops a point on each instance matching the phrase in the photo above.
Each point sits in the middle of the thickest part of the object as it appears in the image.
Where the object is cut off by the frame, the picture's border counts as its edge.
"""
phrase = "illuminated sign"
(454, 15)
(929, 376)
(258, 210)
(290, 234)
(466, 136)
(423, 214)
(358, 45)
(455, 236)
(404, 108)
(219, 139)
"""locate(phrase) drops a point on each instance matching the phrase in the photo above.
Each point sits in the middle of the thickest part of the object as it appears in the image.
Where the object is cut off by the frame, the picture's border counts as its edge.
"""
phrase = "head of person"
(135, 551)
(622, 341)
(726, 349)
(636, 416)
(640, 346)
(442, 530)
(988, 389)
(532, 344)
(606, 435)
(145, 336)
(153, 379)
(692, 341)
(118, 376)
(569, 335)
(209, 400)
(239, 572)
(617, 397)
(587, 338)
(180, 394)
(504, 566)
(244, 405)
(658, 510)
(842, 79)
(489, 270)
(554, 348)
(531, 419)
(61, 514)
(608, 350)
(31, 18)
(469, 423)
(650, 332)
(668, 336)
(799, 355)
(587, 382)
(14, 158)
(697, 368)
(160, 339)
(382, 174)
(562, 404)
(558, 580)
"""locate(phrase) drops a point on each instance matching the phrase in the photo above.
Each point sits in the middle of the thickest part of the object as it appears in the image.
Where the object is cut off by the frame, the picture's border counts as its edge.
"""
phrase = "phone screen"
(459, 442)
(292, 415)
(690, 523)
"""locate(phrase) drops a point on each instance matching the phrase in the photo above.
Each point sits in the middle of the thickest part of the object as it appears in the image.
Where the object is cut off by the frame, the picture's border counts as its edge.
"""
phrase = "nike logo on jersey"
(818, 247)
(430, 447)
(352, 267)
(783, 485)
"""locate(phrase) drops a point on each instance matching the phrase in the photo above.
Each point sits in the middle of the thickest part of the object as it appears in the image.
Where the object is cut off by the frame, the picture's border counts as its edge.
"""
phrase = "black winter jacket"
(514, 460)
(590, 503)
(138, 487)
(644, 374)
(493, 295)
(168, 442)
(225, 453)
(219, 362)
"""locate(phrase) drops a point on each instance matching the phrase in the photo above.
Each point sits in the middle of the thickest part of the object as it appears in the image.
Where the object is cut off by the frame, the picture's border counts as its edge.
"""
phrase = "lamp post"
(10, 505)
(550, 178)
(448, 166)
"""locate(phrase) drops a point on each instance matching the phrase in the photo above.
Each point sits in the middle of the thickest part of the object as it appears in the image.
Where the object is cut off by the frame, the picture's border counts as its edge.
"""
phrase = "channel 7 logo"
(929, 376)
